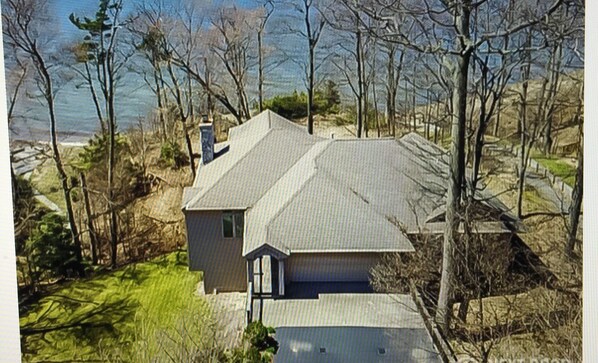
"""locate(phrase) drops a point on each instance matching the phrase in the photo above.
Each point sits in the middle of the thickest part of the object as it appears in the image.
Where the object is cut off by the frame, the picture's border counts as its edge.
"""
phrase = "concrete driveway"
(349, 327)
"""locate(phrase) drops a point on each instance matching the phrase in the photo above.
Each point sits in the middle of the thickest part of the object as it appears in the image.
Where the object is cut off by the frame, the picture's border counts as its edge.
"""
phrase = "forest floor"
(551, 313)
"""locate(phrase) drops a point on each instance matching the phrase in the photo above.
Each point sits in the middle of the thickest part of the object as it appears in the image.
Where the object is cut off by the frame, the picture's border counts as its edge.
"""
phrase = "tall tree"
(147, 28)
(232, 43)
(266, 11)
(314, 25)
(347, 20)
(24, 25)
(102, 37)
(427, 28)
(393, 76)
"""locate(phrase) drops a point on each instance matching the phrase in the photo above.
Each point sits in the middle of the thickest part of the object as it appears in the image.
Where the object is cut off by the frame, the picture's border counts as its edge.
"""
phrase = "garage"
(330, 267)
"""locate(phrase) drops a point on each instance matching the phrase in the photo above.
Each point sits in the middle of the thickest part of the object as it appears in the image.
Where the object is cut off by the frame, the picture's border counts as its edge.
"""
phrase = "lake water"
(76, 117)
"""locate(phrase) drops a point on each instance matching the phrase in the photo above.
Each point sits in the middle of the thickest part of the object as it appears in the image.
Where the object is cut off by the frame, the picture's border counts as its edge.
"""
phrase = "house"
(323, 210)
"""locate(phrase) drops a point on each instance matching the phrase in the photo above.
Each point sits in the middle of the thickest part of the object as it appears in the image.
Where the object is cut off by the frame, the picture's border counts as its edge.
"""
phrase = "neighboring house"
(324, 210)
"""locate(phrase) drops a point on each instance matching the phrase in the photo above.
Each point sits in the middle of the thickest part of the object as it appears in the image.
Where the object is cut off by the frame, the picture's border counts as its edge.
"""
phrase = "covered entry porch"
(266, 272)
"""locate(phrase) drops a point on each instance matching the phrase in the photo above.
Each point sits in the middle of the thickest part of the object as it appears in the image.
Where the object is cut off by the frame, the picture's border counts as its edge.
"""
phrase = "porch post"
(250, 275)
(281, 277)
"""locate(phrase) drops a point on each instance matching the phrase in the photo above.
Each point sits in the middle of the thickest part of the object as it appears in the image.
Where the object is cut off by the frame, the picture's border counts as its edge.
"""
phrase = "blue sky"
(73, 104)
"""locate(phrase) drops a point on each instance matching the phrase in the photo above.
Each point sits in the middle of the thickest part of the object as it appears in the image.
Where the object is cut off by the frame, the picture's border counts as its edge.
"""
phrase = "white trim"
(281, 277)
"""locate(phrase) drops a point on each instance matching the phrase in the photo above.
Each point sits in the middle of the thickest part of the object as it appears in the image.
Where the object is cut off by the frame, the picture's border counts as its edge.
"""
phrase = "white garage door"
(352, 267)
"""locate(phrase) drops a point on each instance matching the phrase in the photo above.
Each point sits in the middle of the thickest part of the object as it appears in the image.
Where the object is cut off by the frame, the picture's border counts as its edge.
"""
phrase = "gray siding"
(328, 267)
(219, 258)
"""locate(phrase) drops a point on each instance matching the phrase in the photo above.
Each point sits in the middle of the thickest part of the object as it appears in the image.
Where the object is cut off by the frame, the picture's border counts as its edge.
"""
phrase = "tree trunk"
(190, 105)
(208, 81)
(93, 241)
(526, 139)
(497, 118)
(577, 197)
(359, 61)
(375, 99)
(413, 103)
(456, 169)
(575, 209)
(552, 96)
(111, 164)
(310, 89)
(260, 53)
(94, 97)
(462, 314)
(391, 90)
(183, 117)
(49, 96)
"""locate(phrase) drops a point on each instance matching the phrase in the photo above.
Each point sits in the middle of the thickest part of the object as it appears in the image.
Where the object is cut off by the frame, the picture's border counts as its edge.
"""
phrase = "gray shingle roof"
(307, 194)
(261, 151)
(350, 196)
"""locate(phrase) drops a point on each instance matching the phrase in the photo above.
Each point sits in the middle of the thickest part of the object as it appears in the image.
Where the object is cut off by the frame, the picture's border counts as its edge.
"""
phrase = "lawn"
(557, 167)
(108, 316)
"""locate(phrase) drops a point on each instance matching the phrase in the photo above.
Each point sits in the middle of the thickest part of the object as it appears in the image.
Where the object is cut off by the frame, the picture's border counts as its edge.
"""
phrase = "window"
(232, 224)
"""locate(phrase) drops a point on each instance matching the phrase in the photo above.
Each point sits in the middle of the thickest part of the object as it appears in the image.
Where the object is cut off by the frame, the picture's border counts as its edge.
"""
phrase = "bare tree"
(490, 88)
(266, 11)
(529, 133)
(103, 35)
(392, 84)
(23, 25)
(147, 26)
(314, 25)
(198, 62)
(15, 81)
(233, 45)
(426, 28)
(353, 44)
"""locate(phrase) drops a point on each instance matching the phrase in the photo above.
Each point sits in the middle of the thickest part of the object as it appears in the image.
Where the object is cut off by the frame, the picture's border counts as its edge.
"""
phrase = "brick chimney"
(207, 143)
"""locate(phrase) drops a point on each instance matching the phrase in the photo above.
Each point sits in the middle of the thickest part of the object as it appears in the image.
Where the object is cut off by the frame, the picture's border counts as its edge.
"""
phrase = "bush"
(326, 100)
(51, 248)
(25, 211)
(289, 106)
(172, 155)
(129, 177)
(258, 345)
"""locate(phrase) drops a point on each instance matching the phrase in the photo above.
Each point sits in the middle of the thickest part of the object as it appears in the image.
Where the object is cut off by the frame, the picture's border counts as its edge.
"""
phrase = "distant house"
(324, 210)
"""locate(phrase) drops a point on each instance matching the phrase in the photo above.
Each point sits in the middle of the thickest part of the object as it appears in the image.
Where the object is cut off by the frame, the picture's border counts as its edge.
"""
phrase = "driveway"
(349, 327)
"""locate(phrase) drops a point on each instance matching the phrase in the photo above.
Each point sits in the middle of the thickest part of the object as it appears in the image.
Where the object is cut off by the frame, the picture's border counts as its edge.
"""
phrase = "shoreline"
(22, 143)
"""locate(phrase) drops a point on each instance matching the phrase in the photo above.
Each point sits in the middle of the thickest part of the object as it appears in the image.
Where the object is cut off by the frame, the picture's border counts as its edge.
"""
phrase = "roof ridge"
(269, 113)
(293, 124)
(322, 145)
(286, 204)
(205, 191)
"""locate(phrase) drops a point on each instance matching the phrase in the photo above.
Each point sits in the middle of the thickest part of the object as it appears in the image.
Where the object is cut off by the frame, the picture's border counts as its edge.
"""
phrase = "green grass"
(557, 167)
(534, 202)
(45, 179)
(109, 315)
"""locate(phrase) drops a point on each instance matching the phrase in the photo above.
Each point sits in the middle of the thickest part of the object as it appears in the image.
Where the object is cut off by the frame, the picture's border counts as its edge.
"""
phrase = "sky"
(76, 116)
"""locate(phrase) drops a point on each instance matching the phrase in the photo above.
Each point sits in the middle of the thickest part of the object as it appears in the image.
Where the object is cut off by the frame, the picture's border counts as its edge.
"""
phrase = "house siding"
(219, 258)
(328, 267)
